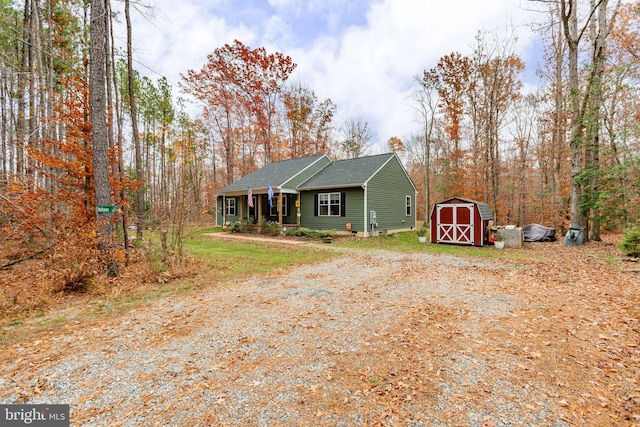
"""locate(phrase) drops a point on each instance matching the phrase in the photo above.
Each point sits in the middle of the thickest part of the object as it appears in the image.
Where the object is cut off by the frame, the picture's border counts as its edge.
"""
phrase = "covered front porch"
(256, 209)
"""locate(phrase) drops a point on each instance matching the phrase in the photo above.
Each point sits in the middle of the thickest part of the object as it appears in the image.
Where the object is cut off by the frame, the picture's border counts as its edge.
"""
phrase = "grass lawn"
(408, 242)
(238, 259)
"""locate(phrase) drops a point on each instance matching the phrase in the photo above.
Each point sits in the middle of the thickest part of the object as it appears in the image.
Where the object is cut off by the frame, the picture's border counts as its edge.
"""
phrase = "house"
(365, 196)
(282, 177)
(460, 221)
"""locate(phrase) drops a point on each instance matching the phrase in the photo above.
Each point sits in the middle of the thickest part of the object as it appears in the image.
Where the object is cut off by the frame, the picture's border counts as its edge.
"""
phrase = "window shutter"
(343, 197)
(315, 204)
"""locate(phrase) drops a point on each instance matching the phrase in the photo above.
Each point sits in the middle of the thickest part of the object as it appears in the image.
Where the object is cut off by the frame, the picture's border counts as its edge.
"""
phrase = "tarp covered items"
(538, 233)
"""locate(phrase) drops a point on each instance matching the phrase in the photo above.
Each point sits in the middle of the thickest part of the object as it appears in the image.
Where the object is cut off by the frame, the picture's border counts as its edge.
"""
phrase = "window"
(329, 204)
(273, 210)
(231, 206)
(408, 205)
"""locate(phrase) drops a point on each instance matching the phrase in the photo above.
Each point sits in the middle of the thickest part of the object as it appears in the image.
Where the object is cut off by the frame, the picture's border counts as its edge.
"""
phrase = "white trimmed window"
(273, 210)
(408, 205)
(231, 206)
(329, 204)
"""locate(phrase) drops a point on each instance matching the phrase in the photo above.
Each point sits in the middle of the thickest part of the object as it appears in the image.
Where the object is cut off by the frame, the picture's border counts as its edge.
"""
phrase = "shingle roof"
(485, 211)
(345, 173)
(275, 174)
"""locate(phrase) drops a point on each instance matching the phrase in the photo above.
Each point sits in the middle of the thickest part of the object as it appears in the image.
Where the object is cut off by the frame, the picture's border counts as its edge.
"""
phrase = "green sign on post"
(106, 209)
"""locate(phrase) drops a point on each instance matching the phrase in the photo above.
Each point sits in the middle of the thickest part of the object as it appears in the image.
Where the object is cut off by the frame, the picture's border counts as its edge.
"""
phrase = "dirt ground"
(369, 338)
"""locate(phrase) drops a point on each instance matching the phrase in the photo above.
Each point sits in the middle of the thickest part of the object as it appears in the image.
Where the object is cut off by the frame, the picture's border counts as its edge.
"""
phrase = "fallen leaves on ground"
(368, 339)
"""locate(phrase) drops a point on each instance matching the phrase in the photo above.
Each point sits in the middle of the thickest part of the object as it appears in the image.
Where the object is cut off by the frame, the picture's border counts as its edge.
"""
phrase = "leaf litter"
(370, 338)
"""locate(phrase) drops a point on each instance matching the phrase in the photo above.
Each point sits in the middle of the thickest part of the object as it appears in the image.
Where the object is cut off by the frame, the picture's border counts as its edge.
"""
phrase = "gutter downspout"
(280, 196)
(366, 206)
(415, 214)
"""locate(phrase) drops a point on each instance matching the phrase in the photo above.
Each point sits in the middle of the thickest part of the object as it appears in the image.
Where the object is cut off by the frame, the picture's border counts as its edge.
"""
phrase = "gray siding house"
(364, 196)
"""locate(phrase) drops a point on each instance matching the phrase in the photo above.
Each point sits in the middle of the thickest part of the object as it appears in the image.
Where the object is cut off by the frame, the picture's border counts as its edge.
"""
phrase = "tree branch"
(27, 258)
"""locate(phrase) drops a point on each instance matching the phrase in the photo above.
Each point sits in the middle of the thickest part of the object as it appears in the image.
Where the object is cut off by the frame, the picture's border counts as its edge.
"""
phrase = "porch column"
(224, 210)
(280, 208)
(298, 209)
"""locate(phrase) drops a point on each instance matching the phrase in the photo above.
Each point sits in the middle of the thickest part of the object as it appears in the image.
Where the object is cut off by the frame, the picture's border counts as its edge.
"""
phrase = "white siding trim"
(366, 211)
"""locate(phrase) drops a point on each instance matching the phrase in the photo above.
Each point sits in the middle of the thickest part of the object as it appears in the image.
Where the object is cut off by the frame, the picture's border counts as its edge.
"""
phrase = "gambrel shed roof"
(485, 211)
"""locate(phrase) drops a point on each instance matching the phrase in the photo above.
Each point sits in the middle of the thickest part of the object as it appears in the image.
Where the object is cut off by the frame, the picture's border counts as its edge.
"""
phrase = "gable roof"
(347, 173)
(275, 174)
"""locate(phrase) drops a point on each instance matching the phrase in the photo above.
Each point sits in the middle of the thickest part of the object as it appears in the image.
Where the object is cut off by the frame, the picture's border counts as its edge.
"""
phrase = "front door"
(253, 209)
(455, 223)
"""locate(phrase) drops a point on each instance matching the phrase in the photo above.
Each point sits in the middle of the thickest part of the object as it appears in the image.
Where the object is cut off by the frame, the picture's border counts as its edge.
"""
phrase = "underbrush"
(70, 271)
(70, 268)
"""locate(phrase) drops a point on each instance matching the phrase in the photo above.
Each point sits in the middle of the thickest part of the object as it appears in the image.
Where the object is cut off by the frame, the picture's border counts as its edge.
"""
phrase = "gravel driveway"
(380, 338)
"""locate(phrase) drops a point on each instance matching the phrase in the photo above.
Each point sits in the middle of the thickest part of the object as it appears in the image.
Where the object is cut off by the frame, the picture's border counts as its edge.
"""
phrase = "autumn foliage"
(481, 135)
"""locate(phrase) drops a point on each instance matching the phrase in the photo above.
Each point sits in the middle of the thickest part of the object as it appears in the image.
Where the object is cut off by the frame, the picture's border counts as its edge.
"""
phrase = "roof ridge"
(365, 157)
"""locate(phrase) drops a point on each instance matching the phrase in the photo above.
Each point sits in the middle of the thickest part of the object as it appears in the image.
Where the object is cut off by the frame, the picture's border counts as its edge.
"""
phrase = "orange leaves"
(395, 144)
(626, 35)
(306, 120)
(238, 79)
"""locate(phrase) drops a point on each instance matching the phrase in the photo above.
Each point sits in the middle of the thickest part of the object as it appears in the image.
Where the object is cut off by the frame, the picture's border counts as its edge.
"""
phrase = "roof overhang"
(258, 191)
(331, 187)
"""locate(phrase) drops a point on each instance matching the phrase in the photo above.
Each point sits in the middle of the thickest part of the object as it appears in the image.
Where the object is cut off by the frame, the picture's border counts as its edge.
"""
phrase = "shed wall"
(462, 218)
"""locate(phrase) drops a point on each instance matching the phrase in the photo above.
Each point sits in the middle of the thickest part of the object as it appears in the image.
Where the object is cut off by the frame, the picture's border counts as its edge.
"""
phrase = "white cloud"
(369, 70)
(364, 63)
(170, 39)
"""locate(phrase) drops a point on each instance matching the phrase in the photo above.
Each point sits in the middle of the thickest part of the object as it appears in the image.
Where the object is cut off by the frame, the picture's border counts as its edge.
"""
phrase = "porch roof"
(275, 174)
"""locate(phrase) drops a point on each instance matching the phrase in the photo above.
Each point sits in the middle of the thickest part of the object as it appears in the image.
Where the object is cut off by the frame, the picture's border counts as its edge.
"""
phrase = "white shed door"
(455, 223)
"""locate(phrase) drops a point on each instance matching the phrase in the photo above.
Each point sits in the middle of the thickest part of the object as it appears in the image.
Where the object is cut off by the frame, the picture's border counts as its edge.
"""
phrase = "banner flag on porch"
(270, 196)
(250, 197)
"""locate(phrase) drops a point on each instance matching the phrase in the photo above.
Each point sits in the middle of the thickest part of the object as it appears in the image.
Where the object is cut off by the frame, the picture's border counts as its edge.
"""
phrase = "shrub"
(306, 232)
(327, 233)
(271, 228)
(422, 232)
(235, 227)
(630, 243)
(297, 232)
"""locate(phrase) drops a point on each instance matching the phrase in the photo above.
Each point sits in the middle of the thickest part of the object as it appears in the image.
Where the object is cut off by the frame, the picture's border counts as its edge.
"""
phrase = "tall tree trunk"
(558, 138)
(4, 133)
(21, 131)
(570, 23)
(118, 169)
(585, 107)
(134, 126)
(101, 168)
(600, 31)
(88, 180)
(428, 129)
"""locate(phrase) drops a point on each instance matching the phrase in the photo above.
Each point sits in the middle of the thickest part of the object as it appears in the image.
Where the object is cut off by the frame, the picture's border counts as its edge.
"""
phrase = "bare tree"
(357, 137)
(495, 85)
(134, 128)
(425, 101)
(524, 131)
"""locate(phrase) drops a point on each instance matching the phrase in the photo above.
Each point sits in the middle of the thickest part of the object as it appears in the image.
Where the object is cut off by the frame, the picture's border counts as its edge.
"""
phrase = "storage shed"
(459, 221)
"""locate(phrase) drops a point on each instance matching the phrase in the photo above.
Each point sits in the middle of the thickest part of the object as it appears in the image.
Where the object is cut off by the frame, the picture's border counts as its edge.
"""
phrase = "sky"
(362, 54)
